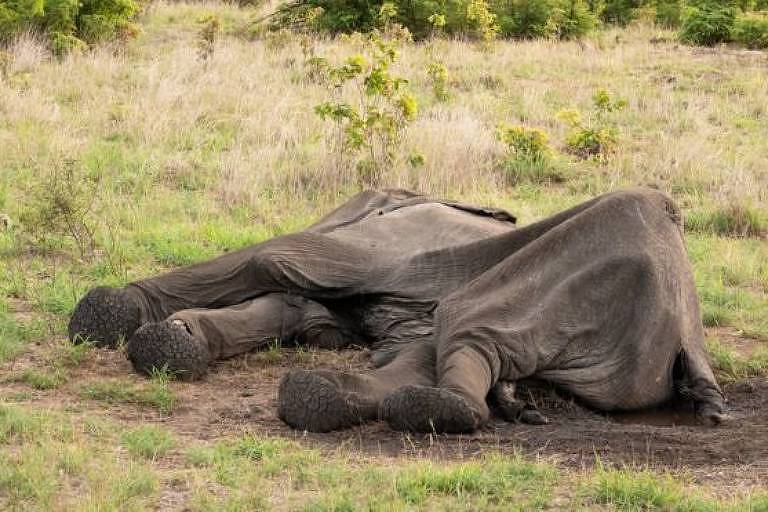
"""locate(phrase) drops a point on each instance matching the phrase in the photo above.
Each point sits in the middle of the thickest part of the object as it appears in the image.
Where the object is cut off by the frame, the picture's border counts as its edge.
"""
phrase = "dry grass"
(243, 124)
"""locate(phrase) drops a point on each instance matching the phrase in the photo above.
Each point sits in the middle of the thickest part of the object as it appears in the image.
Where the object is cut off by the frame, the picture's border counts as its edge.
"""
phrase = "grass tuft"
(732, 220)
(156, 393)
(148, 441)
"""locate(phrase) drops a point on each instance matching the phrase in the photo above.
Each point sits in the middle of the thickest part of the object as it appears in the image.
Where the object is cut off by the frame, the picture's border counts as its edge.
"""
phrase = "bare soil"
(239, 395)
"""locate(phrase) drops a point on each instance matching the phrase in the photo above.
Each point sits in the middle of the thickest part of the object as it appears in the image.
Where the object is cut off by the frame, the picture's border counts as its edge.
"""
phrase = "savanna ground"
(121, 163)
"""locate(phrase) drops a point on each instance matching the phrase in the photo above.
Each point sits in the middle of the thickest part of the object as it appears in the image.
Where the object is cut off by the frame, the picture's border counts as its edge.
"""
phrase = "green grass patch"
(46, 379)
(492, 481)
(156, 393)
(148, 441)
(731, 220)
(732, 366)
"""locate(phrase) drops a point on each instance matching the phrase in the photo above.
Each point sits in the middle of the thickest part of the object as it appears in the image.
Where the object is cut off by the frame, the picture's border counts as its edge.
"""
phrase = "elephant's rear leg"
(512, 408)
(187, 341)
(326, 400)
(457, 404)
(694, 379)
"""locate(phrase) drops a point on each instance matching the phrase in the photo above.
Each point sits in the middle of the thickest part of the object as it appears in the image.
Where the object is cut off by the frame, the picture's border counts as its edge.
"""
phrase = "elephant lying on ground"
(456, 303)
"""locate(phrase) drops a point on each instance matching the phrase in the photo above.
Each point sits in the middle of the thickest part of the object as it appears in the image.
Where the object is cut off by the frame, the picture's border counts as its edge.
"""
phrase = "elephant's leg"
(325, 400)
(696, 381)
(307, 264)
(512, 408)
(187, 341)
(457, 404)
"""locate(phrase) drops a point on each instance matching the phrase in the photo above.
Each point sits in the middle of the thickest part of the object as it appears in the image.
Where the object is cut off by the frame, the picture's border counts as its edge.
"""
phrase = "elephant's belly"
(393, 322)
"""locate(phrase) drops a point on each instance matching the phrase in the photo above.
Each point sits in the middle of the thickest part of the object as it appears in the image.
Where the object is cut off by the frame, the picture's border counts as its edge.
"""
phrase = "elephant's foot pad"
(103, 317)
(426, 409)
(310, 401)
(168, 345)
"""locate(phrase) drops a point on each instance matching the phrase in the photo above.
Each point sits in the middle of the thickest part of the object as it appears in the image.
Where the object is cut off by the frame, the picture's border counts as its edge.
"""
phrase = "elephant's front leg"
(326, 400)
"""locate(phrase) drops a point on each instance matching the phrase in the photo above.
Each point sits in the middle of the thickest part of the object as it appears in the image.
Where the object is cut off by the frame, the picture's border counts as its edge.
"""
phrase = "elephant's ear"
(485, 211)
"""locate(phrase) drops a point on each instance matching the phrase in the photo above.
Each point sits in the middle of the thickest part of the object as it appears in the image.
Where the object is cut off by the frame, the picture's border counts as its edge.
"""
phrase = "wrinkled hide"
(455, 302)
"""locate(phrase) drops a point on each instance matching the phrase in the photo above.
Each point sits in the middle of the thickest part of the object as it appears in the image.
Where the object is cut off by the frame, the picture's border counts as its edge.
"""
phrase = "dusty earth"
(239, 395)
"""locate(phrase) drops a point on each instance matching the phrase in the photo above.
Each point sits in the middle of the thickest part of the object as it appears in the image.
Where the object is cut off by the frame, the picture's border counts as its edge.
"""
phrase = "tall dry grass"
(242, 123)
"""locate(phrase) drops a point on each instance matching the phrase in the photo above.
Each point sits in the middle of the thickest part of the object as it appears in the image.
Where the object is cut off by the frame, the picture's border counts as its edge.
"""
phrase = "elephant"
(457, 304)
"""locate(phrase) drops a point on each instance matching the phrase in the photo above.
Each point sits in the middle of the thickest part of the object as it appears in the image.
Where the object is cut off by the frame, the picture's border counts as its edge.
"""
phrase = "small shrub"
(386, 107)
(438, 75)
(708, 24)
(59, 206)
(751, 30)
(529, 157)
(598, 135)
(148, 441)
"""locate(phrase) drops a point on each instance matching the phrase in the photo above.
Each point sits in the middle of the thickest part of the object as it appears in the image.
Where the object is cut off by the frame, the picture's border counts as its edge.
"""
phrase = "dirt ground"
(239, 395)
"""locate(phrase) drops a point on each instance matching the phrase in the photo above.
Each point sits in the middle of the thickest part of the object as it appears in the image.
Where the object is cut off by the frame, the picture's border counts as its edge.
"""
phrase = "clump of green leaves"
(669, 13)
(596, 134)
(438, 75)
(529, 157)
(751, 30)
(482, 22)
(371, 129)
(708, 24)
(562, 19)
(70, 24)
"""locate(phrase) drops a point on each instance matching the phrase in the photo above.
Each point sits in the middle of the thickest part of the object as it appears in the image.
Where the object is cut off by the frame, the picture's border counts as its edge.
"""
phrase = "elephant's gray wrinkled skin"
(457, 304)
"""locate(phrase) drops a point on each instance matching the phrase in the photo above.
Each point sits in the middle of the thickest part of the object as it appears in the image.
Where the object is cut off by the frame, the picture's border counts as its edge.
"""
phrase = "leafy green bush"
(575, 20)
(751, 30)
(529, 157)
(526, 18)
(70, 24)
(708, 24)
(598, 135)
(478, 19)
(620, 12)
(669, 13)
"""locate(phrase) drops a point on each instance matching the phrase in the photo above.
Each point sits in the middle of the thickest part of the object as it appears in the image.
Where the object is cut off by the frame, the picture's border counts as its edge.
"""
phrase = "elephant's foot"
(522, 413)
(309, 400)
(514, 410)
(427, 409)
(711, 414)
(168, 345)
(104, 317)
